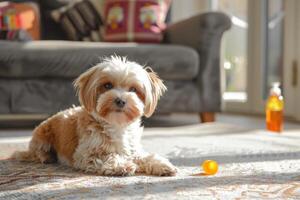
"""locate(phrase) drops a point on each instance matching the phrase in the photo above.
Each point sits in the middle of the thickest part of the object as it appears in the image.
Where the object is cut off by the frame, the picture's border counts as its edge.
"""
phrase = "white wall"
(182, 9)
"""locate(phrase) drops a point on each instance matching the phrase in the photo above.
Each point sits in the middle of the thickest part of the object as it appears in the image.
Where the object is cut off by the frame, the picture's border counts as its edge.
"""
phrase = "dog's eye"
(108, 86)
(132, 89)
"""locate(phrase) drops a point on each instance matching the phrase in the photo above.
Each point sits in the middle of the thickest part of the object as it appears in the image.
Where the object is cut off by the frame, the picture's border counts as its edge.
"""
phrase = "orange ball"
(210, 167)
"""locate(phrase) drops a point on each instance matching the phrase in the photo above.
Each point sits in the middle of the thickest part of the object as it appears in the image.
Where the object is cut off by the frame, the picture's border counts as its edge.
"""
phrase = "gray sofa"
(36, 77)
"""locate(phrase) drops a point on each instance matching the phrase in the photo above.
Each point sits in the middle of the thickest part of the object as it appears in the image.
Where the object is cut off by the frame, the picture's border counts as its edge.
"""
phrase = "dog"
(103, 134)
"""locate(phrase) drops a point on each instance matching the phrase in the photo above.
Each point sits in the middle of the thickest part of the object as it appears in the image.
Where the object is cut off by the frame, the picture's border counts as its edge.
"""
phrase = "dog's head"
(119, 91)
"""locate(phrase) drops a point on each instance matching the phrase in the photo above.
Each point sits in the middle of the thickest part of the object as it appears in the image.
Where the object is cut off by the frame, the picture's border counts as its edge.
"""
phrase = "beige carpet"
(254, 164)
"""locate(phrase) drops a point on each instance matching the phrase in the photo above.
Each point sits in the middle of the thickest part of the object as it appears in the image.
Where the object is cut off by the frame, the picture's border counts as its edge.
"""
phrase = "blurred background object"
(260, 48)
(36, 77)
(19, 16)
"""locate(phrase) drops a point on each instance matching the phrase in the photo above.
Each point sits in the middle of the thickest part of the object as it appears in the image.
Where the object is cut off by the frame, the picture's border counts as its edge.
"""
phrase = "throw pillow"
(19, 16)
(134, 20)
(80, 20)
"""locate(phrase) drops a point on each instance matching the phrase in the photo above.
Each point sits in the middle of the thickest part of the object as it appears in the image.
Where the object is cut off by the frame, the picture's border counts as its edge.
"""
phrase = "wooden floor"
(249, 122)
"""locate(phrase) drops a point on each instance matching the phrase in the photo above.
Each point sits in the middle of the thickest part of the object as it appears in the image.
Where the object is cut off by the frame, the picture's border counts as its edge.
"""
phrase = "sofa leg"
(207, 117)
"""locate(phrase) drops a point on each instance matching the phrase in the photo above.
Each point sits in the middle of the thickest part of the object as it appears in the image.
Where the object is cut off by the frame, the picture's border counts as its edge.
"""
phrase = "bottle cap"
(275, 90)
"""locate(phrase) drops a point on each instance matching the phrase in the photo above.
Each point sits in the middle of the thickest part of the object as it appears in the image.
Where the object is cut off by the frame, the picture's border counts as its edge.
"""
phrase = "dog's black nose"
(119, 102)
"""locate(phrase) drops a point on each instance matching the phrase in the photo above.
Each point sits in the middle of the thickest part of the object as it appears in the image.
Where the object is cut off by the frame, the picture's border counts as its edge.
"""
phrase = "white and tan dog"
(103, 135)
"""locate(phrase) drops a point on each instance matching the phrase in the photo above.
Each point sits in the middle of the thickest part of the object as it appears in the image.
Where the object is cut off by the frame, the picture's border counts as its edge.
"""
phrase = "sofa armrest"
(203, 33)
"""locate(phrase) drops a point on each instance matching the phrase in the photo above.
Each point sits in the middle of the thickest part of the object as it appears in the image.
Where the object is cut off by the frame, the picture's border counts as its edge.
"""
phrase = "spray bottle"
(274, 109)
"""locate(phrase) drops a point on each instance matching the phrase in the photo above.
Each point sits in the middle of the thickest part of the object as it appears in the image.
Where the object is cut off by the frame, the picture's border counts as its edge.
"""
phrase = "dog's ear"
(157, 90)
(86, 93)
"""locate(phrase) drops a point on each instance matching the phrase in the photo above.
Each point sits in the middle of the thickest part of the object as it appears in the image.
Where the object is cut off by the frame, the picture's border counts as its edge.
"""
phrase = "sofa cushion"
(48, 96)
(39, 96)
(135, 20)
(79, 20)
(69, 59)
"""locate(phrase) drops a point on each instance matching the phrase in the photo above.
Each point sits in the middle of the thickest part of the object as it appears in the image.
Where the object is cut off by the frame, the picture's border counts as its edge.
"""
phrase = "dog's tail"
(24, 156)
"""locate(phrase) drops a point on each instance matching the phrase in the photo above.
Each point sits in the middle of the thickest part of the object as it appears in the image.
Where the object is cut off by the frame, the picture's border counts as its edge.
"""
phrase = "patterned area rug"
(254, 164)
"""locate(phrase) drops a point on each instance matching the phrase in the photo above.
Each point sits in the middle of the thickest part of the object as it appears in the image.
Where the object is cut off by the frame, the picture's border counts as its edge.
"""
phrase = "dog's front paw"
(164, 169)
(126, 169)
(160, 166)
(129, 169)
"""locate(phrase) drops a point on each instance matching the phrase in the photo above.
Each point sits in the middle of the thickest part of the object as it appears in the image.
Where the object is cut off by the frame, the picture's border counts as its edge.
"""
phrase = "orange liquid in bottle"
(274, 113)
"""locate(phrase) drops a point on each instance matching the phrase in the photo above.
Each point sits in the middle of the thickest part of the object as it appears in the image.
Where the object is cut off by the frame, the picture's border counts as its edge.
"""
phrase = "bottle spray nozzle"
(275, 90)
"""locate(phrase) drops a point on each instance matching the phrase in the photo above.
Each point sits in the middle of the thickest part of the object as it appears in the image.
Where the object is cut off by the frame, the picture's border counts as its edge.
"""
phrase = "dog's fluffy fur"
(103, 136)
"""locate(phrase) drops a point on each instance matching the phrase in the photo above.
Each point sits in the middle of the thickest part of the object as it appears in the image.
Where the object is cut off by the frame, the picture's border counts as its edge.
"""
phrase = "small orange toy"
(210, 167)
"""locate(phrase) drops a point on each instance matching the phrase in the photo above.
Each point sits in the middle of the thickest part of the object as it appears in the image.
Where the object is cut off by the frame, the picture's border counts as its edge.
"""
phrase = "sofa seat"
(65, 59)
(36, 77)
(47, 96)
